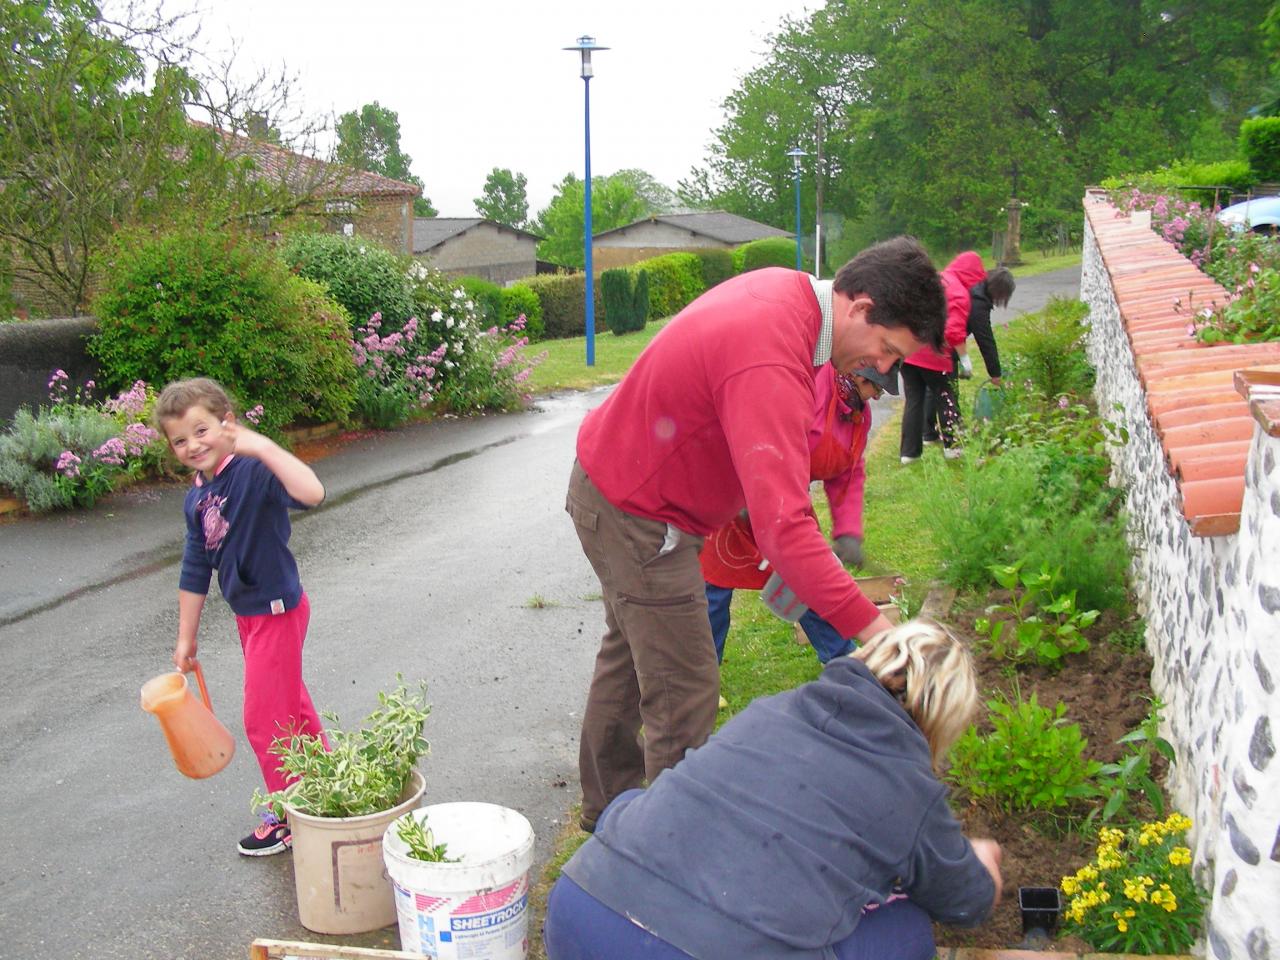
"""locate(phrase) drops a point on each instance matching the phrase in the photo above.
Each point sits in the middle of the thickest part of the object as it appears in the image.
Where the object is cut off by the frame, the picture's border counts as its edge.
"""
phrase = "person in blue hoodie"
(812, 826)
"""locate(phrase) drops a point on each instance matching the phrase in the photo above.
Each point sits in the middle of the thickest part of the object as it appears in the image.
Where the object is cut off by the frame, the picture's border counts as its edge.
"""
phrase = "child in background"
(237, 515)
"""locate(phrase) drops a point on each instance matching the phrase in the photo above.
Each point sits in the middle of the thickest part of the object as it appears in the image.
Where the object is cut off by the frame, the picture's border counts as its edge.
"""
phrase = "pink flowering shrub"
(395, 377)
(75, 450)
(1246, 264)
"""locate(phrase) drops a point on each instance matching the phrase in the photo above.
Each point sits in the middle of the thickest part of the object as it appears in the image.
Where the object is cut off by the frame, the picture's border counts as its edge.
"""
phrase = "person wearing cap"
(837, 441)
(713, 417)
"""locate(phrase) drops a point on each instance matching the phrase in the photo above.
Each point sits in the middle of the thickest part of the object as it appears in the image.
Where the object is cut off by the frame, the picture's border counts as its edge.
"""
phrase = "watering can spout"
(200, 744)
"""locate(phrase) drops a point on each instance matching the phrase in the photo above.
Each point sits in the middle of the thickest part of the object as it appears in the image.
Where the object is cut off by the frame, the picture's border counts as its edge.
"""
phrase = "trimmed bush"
(615, 292)
(364, 277)
(518, 299)
(674, 280)
(486, 295)
(640, 299)
(717, 265)
(562, 296)
(1260, 143)
(766, 252)
(203, 303)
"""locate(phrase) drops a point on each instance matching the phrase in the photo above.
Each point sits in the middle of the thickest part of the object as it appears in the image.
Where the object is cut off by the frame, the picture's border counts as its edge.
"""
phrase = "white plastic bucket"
(476, 908)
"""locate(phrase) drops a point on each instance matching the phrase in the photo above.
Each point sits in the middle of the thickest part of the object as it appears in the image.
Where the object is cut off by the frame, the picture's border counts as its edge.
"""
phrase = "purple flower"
(68, 464)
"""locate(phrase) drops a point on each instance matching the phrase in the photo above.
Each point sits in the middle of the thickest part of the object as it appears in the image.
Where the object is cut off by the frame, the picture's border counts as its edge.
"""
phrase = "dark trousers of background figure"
(657, 665)
(916, 381)
(823, 637)
(932, 404)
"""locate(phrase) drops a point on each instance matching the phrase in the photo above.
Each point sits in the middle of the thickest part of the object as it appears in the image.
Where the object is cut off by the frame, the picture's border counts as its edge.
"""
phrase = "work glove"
(966, 367)
(848, 549)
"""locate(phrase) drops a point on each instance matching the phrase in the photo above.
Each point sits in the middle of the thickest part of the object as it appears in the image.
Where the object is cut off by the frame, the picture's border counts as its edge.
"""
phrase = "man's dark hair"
(1000, 286)
(903, 285)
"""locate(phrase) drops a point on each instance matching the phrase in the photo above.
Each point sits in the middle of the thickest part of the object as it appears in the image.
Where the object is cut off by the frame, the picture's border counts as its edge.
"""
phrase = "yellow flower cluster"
(1164, 897)
(1179, 856)
(1122, 918)
(1135, 888)
(1155, 832)
(1087, 887)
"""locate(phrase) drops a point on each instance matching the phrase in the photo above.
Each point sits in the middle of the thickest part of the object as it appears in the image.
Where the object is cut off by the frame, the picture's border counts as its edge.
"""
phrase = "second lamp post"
(795, 154)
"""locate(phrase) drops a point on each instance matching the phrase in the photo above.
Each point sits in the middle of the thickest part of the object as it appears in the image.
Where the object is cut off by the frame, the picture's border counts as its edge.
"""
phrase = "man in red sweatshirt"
(713, 417)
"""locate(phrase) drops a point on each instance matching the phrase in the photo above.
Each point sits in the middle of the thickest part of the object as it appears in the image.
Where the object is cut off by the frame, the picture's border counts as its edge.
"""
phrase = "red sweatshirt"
(714, 416)
(960, 274)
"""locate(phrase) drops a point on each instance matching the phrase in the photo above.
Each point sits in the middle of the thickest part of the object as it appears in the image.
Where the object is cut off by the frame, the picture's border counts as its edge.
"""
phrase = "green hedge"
(626, 299)
(1260, 143)
(765, 252)
(486, 295)
(562, 296)
(674, 280)
(202, 303)
(519, 299)
(717, 265)
(362, 276)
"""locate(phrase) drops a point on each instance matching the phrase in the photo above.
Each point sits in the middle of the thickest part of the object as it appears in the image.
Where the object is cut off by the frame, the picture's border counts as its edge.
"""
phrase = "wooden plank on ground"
(297, 950)
(878, 589)
(937, 604)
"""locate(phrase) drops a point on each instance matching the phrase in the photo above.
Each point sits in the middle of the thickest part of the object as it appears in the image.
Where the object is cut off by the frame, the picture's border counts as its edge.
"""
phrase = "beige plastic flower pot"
(338, 868)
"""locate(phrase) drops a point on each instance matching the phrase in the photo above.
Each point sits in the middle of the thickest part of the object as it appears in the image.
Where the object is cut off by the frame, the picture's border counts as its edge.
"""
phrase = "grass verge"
(565, 367)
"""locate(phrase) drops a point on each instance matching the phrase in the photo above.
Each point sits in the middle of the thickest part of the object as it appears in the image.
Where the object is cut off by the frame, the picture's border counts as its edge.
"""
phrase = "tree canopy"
(370, 140)
(504, 198)
(927, 116)
(614, 203)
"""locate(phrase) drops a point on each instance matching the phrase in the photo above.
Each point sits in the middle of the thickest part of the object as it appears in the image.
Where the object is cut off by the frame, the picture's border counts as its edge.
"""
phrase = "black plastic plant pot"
(1040, 908)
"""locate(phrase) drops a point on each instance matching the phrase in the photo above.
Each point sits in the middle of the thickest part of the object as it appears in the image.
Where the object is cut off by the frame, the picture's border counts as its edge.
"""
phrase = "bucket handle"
(204, 690)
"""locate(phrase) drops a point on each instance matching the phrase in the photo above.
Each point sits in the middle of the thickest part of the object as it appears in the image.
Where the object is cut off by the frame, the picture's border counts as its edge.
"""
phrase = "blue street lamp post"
(795, 154)
(584, 46)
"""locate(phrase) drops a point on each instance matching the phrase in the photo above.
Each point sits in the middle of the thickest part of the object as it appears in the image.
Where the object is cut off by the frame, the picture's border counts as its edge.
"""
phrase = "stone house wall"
(389, 220)
(646, 239)
(1212, 607)
(488, 251)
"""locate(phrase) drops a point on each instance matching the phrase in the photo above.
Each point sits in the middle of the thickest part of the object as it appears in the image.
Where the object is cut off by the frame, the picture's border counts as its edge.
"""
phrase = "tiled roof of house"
(1198, 394)
(311, 173)
(430, 232)
(725, 227)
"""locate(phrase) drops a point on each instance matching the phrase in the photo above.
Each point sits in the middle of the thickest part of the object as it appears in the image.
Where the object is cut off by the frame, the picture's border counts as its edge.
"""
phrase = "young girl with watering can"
(237, 514)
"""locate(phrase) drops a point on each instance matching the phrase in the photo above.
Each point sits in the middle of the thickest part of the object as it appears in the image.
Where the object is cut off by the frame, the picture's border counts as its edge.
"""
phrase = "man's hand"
(849, 549)
(988, 852)
(966, 367)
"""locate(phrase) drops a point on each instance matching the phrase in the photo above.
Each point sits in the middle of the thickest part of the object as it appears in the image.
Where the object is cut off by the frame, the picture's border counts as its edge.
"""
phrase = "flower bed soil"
(1105, 691)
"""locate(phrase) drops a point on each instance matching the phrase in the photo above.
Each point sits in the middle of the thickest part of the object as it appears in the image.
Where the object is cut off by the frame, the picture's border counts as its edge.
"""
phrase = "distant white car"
(1261, 215)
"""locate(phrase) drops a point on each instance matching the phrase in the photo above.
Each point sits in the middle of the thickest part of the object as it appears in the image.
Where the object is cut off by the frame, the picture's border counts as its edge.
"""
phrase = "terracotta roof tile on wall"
(1197, 393)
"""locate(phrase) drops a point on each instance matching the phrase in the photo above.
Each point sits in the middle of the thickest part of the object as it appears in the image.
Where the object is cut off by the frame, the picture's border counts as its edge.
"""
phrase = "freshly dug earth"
(1105, 691)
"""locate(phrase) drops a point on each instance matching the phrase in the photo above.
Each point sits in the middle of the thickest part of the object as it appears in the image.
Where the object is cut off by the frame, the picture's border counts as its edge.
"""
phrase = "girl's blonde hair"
(181, 395)
(931, 673)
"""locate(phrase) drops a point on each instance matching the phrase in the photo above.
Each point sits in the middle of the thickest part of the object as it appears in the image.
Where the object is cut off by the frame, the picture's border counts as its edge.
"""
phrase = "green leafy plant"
(1041, 625)
(1137, 895)
(364, 771)
(1119, 781)
(1033, 759)
(421, 842)
(518, 300)
(364, 277)
(195, 302)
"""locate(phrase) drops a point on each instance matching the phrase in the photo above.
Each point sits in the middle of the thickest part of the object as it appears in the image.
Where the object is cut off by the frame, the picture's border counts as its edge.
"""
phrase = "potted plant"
(342, 803)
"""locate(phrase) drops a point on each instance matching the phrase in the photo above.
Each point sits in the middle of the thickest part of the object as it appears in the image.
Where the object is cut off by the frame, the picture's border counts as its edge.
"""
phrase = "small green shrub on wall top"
(767, 252)
(1260, 143)
(363, 276)
(675, 279)
(518, 300)
(194, 302)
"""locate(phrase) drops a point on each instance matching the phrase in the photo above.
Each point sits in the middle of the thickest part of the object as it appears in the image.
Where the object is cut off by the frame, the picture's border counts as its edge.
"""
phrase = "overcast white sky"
(483, 83)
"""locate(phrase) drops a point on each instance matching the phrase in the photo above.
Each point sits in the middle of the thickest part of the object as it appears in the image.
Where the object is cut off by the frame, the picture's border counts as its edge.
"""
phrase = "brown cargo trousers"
(657, 664)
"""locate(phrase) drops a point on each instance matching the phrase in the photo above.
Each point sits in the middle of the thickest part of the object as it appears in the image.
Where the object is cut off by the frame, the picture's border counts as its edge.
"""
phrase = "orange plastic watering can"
(200, 744)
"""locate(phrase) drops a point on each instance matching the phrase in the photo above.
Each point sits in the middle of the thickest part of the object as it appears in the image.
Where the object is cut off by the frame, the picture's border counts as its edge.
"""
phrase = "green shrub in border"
(518, 299)
(616, 293)
(640, 299)
(486, 295)
(563, 296)
(360, 274)
(1260, 143)
(717, 265)
(768, 252)
(194, 302)
(675, 279)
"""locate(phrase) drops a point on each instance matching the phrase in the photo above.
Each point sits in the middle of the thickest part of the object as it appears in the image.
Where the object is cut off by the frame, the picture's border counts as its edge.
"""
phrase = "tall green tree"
(370, 140)
(614, 203)
(504, 198)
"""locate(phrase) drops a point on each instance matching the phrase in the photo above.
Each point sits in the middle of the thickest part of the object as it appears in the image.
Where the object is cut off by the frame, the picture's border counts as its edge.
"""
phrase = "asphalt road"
(426, 559)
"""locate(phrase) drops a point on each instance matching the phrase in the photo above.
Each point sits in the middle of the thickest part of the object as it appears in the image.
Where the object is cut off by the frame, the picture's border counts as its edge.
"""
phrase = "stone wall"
(498, 255)
(389, 220)
(1212, 607)
(31, 351)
